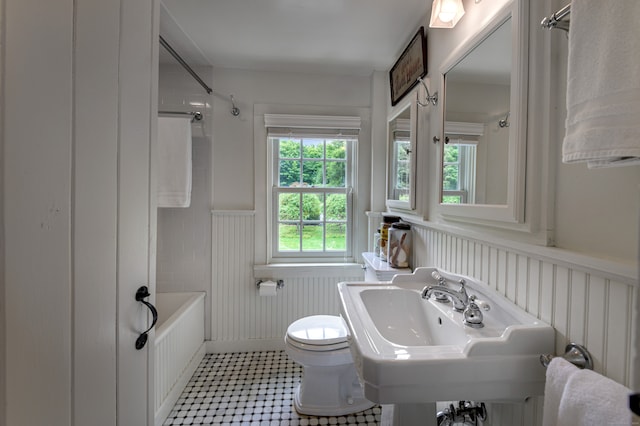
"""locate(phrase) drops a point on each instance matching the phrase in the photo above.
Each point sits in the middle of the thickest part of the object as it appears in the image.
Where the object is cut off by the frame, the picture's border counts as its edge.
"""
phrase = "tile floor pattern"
(250, 388)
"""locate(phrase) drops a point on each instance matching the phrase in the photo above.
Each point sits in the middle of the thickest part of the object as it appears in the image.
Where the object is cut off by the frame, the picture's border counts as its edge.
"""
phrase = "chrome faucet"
(440, 297)
(472, 314)
(460, 298)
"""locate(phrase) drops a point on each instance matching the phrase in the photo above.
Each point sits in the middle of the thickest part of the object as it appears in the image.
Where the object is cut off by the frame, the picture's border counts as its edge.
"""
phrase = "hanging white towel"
(174, 162)
(603, 87)
(583, 397)
(557, 375)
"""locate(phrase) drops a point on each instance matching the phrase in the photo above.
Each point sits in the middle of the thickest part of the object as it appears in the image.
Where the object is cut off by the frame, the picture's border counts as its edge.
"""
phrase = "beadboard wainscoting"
(586, 300)
(241, 320)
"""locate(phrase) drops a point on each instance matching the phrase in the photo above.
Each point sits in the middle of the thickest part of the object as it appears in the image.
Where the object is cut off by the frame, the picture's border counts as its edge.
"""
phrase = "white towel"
(174, 162)
(603, 87)
(558, 372)
(582, 397)
(592, 399)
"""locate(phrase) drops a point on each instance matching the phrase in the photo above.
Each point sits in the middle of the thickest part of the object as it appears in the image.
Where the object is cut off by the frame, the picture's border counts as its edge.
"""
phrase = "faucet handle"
(472, 314)
(463, 291)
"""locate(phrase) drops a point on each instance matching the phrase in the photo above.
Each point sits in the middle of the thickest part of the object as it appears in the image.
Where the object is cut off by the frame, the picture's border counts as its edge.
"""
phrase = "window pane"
(450, 178)
(336, 208)
(312, 206)
(451, 199)
(336, 236)
(451, 153)
(289, 173)
(402, 175)
(313, 148)
(312, 173)
(289, 207)
(337, 150)
(289, 148)
(288, 237)
(336, 174)
(403, 149)
(313, 237)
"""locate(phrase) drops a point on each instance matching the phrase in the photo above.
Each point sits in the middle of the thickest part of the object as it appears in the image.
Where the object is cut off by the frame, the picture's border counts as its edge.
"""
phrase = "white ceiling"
(351, 37)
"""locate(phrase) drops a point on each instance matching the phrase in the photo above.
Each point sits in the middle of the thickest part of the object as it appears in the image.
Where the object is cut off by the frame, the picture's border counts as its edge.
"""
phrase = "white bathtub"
(179, 346)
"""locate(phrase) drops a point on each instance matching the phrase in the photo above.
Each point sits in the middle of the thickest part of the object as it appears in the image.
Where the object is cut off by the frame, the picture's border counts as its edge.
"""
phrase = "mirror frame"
(411, 102)
(513, 211)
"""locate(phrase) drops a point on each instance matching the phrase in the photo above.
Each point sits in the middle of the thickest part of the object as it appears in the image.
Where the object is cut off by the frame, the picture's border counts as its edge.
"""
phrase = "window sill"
(285, 270)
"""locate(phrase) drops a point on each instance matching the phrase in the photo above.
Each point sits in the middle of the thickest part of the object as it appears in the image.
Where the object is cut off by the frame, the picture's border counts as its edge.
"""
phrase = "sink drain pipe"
(468, 413)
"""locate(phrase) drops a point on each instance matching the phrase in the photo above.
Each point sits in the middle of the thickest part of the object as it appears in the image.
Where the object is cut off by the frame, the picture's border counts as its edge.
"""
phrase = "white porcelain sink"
(411, 350)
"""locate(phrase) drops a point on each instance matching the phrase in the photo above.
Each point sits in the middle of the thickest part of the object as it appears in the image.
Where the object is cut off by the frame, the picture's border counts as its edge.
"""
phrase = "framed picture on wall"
(411, 65)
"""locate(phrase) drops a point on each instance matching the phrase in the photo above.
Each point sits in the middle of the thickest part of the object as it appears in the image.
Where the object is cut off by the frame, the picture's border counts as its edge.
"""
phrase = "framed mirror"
(401, 154)
(484, 123)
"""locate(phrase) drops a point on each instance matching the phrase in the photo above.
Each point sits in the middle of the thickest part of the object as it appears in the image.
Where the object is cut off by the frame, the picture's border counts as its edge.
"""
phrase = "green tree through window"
(312, 193)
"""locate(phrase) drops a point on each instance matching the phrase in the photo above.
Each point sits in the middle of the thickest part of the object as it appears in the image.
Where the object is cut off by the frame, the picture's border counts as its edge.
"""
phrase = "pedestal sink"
(412, 352)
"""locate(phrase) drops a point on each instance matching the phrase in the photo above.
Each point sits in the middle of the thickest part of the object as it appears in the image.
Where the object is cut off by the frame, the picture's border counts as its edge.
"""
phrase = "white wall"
(244, 140)
(595, 211)
(233, 141)
(184, 234)
(193, 256)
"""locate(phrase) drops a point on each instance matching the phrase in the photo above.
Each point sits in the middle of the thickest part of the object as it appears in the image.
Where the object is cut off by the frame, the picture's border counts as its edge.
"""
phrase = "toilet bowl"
(330, 384)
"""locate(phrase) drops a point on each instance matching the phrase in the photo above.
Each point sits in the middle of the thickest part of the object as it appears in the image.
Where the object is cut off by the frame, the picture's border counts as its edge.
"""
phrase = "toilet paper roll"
(268, 288)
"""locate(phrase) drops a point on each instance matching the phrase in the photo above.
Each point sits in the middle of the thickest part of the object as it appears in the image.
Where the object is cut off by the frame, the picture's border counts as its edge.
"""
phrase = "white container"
(399, 245)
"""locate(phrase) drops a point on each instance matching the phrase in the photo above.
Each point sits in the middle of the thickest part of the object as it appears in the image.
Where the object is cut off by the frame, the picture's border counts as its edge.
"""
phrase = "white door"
(136, 206)
(79, 84)
(116, 98)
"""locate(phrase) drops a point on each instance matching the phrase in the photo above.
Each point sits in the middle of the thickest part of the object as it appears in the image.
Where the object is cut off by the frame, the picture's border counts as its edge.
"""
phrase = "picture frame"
(410, 66)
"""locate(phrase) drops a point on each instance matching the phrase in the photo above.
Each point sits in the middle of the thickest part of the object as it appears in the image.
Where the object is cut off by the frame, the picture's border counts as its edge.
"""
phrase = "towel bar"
(576, 354)
(195, 115)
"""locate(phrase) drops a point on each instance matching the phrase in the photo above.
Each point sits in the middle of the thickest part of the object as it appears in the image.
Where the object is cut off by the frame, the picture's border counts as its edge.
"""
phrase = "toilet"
(330, 384)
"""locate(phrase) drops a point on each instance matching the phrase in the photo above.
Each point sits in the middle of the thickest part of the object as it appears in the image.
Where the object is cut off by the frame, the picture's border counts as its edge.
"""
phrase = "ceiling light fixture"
(446, 13)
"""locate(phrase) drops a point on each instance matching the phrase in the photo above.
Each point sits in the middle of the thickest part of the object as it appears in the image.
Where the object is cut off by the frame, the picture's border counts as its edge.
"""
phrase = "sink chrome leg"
(409, 414)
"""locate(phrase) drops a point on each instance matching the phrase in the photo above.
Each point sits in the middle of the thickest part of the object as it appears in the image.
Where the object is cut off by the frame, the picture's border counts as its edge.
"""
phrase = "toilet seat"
(318, 333)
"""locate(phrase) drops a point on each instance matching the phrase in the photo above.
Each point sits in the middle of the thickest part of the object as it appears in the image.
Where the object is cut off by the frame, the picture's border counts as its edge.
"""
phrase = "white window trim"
(291, 121)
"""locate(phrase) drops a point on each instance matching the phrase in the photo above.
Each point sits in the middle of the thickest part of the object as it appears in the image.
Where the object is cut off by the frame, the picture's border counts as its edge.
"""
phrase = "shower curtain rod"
(557, 19)
(186, 66)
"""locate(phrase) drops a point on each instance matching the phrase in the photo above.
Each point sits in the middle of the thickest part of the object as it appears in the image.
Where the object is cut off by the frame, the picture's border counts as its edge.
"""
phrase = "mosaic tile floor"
(252, 388)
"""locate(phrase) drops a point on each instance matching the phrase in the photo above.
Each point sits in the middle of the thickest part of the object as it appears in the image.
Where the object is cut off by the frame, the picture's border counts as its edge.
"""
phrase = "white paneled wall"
(241, 319)
(584, 304)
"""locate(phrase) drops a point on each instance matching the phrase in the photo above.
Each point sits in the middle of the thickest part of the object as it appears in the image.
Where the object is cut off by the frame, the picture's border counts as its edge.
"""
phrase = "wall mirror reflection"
(477, 92)
(483, 154)
(401, 155)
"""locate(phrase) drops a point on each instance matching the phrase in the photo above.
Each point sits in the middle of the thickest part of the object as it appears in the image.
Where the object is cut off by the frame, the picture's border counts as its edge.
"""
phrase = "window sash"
(302, 253)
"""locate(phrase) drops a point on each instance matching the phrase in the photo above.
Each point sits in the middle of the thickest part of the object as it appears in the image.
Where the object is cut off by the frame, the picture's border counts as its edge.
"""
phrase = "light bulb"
(448, 11)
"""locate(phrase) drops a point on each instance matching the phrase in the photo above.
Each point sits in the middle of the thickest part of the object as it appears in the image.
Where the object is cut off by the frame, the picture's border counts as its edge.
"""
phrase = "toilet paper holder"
(279, 283)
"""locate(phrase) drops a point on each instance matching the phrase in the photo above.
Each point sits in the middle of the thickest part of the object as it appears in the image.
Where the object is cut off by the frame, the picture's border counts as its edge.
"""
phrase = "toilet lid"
(318, 330)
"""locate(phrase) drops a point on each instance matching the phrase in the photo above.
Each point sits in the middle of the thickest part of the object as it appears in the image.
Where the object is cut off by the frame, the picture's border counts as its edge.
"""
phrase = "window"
(312, 190)
(401, 165)
(458, 172)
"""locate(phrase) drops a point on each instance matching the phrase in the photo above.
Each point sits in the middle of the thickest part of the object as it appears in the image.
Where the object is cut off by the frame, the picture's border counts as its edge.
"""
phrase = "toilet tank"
(377, 270)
